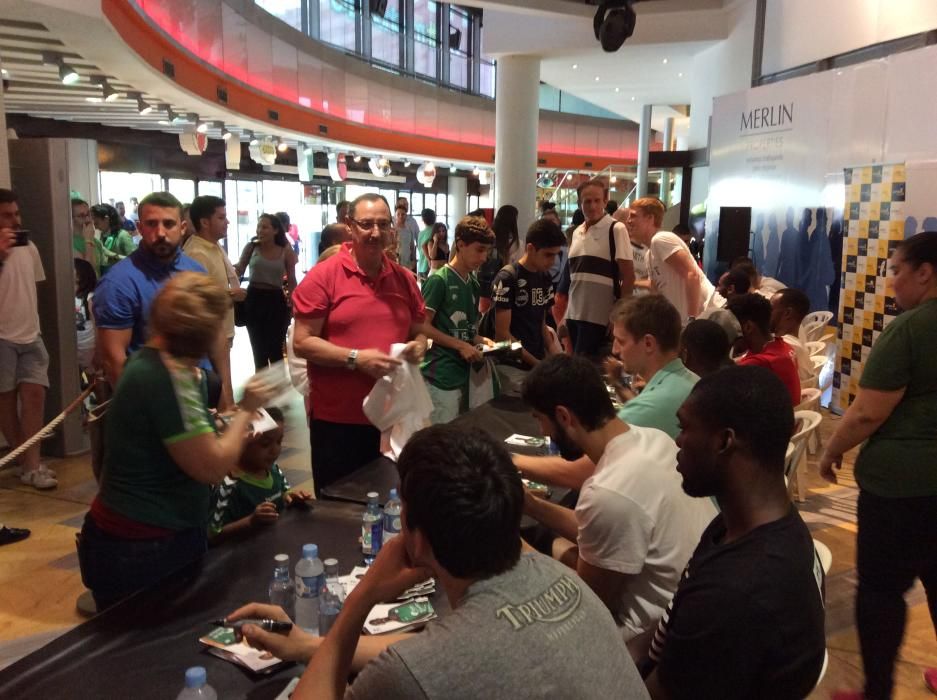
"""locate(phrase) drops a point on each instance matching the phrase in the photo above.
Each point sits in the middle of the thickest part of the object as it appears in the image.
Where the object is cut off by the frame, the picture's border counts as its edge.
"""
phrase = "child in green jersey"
(253, 496)
(451, 294)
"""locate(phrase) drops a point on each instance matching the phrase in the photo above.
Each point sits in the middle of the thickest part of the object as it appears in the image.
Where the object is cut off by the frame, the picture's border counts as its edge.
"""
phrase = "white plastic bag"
(398, 405)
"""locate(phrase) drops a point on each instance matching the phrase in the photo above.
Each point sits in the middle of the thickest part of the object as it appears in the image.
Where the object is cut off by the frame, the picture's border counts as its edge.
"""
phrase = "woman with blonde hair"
(162, 455)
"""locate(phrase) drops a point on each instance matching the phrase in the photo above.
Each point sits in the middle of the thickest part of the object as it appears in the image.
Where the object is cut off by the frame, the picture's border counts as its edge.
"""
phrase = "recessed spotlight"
(575, 66)
(201, 127)
(633, 98)
(664, 61)
(4, 71)
(613, 179)
(596, 78)
(282, 147)
(357, 158)
(617, 89)
(225, 134)
(406, 163)
(679, 75)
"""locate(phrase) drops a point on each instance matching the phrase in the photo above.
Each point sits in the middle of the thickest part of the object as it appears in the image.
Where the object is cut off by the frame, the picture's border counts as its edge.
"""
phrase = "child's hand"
(264, 514)
(297, 497)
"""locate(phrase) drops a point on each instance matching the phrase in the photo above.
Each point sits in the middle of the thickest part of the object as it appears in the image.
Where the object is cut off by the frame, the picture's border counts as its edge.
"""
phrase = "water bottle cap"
(372, 495)
(393, 494)
(195, 677)
(282, 559)
(310, 551)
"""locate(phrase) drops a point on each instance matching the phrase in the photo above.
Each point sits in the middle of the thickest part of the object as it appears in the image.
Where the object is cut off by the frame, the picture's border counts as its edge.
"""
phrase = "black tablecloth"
(141, 647)
(500, 418)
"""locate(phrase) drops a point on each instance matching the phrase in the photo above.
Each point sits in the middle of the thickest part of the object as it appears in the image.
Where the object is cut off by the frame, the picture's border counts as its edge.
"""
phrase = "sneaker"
(18, 471)
(39, 479)
(9, 535)
(930, 679)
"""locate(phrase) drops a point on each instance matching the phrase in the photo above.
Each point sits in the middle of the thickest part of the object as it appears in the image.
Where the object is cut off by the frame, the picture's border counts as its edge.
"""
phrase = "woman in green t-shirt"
(893, 414)
(116, 243)
(162, 454)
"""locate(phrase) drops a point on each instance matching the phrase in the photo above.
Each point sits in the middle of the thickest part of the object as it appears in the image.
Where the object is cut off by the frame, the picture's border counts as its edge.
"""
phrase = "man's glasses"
(383, 226)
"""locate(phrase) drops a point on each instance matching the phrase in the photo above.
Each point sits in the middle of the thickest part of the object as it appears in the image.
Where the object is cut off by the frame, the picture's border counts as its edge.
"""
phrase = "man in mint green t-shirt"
(451, 294)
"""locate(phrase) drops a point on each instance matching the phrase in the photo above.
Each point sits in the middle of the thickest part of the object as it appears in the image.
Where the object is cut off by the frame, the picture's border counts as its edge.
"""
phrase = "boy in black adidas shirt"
(523, 292)
(254, 495)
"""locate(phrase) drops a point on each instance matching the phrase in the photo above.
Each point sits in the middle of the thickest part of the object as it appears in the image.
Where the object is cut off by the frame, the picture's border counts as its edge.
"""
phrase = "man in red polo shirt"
(349, 310)
(753, 312)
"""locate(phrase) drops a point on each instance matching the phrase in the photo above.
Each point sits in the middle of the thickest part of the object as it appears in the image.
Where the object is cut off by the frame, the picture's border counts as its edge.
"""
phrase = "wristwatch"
(352, 360)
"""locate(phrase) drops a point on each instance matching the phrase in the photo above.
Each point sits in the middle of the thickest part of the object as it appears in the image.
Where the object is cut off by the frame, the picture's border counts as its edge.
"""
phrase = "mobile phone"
(22, 237)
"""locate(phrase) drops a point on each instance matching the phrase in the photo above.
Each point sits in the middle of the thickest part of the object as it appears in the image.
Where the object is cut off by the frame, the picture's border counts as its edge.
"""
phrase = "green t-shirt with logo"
(454, 301)
(422, 261)
(899, 460)
(154, 406)
(238, 497)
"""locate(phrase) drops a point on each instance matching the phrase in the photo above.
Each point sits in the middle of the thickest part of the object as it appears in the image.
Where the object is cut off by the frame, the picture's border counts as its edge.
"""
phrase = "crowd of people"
(681, 564)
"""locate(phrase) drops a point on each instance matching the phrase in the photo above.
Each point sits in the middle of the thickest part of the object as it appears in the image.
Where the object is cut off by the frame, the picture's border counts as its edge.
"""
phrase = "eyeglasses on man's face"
(383, 225)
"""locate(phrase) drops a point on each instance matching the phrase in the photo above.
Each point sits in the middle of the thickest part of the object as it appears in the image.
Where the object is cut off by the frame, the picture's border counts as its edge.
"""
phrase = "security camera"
(614, 23)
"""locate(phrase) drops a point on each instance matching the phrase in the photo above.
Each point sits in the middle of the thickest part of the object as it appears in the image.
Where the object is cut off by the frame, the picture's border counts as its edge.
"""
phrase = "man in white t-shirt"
(601, 270)
(671, 267)
(24, 362)
(634, 527)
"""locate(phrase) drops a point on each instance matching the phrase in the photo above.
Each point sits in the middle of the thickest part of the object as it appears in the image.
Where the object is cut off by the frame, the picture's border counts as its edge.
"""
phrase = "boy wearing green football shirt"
(451, 294)
(256, 493)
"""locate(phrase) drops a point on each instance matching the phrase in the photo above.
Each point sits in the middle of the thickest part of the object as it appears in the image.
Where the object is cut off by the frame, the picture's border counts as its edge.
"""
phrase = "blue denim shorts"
(23, 362)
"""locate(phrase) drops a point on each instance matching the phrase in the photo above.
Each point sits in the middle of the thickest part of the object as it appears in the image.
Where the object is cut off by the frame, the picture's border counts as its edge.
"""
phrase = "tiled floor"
(40, 582)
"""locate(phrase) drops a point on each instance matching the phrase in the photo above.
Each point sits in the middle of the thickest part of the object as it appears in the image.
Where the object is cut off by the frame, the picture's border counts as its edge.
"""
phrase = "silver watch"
(352, 360)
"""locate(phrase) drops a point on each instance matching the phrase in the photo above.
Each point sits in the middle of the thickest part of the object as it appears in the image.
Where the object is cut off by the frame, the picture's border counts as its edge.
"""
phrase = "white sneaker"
(39, 479)
(18, 471)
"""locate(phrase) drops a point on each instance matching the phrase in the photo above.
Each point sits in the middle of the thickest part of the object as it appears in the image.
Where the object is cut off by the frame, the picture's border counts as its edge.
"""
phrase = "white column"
(517, 114)
(668, 134)
(644, 146)
(458, 191)
(4, 148)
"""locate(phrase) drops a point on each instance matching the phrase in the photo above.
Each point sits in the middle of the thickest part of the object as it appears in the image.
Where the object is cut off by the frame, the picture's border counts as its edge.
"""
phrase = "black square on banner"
(867, 337)
(877, 173)
(865, 193)
(878, 322)
(854, 211)
(847, 175)
(864, 242)
(860, 300)
(891, 306)
(856, 352)
(897, 191)
(885, 213)
(851, 263)
(869, 284)
(846, 366)
(873, 231)
(848, 314)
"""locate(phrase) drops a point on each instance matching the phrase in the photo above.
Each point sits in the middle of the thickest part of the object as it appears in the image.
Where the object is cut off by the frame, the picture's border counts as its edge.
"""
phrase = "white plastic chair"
(818, 316)
(824, 555)
(795, 467)
(814, 324)
(810, 401)
(816, 348)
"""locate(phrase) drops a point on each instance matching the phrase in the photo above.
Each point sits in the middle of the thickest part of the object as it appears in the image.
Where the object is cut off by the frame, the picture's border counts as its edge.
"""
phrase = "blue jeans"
(113, 567)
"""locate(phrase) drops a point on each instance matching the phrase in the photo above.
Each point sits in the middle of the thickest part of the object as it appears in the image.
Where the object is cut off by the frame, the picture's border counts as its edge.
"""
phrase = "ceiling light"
(357, 158)
(225, 134)
(617, 89)
(575, 66)
(596, 78)
(255, 140)
(633, 98)
(4, 72)
(664, 61)
(143, 107)
(108, 93)
(406, 163)
(282, 147)
(476, 171)
(200, 126)
(613, 179)
(67, 74)
(93, 99)
(679, 75)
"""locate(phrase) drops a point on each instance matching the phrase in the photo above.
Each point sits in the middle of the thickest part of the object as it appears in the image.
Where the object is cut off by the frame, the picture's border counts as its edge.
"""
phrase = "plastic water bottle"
(391, 517)
(372, 529)
(309, 580)
(196, 686)
(280, 590)
(331, 599)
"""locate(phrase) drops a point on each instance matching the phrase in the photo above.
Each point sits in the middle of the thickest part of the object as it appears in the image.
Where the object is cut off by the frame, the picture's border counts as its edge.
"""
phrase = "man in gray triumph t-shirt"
(521, 625)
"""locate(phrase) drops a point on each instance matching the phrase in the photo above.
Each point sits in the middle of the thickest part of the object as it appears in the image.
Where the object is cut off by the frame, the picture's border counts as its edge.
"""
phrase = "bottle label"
(371, 531)
(308, 587)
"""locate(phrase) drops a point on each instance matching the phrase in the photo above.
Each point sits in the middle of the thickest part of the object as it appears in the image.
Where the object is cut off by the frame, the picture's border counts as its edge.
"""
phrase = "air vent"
(222, 93)
(587, 164)
(273, 114)
(169, 69)
(323, 129)
(541, 161)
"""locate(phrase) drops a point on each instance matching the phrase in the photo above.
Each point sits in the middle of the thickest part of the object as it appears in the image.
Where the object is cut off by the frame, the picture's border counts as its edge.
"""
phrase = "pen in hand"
(276, 626)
